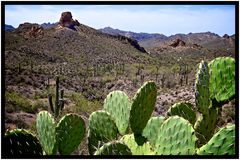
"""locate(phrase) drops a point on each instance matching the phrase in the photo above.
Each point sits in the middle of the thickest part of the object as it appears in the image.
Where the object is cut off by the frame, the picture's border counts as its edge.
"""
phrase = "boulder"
(66, 20)
(178, 42)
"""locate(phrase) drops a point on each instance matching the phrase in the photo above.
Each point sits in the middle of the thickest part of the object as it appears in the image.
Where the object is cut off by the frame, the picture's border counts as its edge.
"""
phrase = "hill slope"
(208, 40)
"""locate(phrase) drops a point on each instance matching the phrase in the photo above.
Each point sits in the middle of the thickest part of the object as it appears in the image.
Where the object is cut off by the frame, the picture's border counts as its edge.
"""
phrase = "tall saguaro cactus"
(59, 102)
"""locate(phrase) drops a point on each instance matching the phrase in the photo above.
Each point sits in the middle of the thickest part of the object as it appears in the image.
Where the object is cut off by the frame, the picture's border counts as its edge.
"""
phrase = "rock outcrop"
(178, 42)
(29, 30)
(226, 36)
(66, 20)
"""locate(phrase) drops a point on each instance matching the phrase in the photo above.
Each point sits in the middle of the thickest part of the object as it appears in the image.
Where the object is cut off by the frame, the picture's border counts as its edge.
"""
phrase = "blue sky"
(164, 19)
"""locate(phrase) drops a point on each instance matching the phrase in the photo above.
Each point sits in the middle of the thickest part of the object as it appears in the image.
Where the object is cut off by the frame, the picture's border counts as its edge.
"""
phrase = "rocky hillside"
(209, 40)
(90, 64)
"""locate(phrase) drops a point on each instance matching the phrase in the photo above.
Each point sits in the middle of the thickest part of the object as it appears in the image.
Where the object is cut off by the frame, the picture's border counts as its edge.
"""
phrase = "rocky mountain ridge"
(147, 40)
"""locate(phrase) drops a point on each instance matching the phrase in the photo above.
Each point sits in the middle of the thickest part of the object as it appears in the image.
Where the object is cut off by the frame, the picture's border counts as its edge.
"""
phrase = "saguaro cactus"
(59, 102)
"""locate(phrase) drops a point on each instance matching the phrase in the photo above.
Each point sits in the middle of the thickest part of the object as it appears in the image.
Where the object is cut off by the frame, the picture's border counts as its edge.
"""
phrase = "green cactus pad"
(142, 106)
(145, 149)
(118, 105)
(222, 143)
(93, 142)
(101, 128)
(70, 132)
(183, 109)
(19, 142)
(222, 78)
(114, 148)
(46, 130)
(152, 129)
(205, 126)
(176, 137)
(202, 88)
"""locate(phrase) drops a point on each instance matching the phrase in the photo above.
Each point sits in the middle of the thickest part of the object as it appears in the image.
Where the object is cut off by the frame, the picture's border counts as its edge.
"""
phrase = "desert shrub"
(83, 104)
(39, 105)
(17, 102)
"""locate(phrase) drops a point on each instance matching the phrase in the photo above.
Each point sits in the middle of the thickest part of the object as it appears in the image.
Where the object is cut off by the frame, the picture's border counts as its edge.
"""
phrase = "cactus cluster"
(125, 126)
(63, 137)
(212, 81)
(183, 130)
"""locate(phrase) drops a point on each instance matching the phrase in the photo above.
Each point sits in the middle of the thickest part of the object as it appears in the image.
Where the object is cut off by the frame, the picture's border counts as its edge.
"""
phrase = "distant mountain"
(133, 35)
(9, 27)
(205, 39)
(49, 25)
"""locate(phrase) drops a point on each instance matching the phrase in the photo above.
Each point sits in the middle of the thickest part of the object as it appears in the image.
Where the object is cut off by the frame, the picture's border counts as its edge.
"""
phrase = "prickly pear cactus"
(142, 107)
(70, 132)
(19, 142)
(94, 143)
(222, 78)
(101, 128)
(46, 130)
(205, 126)
(152, 129)
(114, 148)
(183, 109)
(176, 137)
(145, 149)
(222, 143)
(118, 105)
(202, 88)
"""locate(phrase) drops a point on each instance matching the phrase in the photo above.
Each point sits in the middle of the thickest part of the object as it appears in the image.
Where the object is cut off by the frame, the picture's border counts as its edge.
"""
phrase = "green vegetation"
(83, 105)
(17, 102)
(134, 132)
